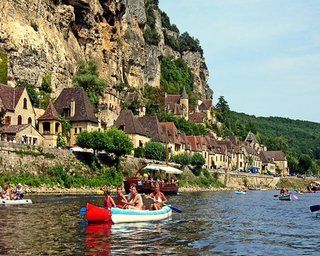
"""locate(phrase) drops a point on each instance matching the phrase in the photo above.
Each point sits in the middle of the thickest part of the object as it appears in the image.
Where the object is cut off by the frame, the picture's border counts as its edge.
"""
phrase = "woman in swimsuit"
(108, 200)
(158, 198)
(135, 202)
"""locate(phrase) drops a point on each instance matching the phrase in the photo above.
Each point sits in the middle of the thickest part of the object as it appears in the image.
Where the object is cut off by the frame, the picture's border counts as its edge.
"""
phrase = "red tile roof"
(13, 129)
(205, 105)
(10, 96)
(171, 132)
(152, 127)
(197, 117)
(271, 156)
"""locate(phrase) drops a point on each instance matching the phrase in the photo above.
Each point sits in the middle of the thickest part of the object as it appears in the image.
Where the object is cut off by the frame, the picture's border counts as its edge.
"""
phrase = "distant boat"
(15, 202)
(286, 197)
(240, 192)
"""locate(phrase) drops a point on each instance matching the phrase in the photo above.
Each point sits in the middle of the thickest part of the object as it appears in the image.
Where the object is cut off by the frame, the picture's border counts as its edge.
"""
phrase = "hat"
(19, 184)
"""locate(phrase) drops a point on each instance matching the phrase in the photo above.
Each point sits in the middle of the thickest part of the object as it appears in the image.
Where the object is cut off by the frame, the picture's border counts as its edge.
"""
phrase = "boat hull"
(15, 202)
(285, 198)
(240, 192)
(127, 216)
(97, 214)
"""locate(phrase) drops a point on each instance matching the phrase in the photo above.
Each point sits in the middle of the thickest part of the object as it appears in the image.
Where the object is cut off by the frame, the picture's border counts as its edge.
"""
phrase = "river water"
(212, 223)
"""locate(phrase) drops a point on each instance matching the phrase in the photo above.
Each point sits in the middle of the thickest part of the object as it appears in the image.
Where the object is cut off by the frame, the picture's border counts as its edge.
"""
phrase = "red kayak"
(97, 214)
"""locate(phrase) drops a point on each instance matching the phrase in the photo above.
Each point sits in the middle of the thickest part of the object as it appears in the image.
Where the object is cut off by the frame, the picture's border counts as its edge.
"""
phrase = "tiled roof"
(129, 123)
(251, 138)
(10, 96)
(171, 132)
(171, 101)
(50, 114)
(152, 127)
(250, 150)
(197, 117)
(13, 129)
(271, 156)
(205, 105)
(84, 110)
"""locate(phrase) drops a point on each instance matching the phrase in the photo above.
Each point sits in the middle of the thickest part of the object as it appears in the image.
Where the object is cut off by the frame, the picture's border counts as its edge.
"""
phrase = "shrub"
(151, 36)
(139, 152)
(46, 84)
(183, 159)
(155, 150)
(188, 43)
(172, 42)
(3, 68)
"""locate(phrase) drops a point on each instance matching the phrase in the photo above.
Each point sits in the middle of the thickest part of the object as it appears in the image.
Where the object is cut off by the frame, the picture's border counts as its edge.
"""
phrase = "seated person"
(19, 192)
(158, 198)
(6, 193)
(121, 199)
(108, 200)
(135, 201)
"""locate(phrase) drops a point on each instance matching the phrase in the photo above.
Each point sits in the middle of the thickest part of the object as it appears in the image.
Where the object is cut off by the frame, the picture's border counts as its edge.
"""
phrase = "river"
(212, 223)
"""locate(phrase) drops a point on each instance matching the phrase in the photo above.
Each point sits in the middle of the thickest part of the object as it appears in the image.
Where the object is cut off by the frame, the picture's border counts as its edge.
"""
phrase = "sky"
(263, 56)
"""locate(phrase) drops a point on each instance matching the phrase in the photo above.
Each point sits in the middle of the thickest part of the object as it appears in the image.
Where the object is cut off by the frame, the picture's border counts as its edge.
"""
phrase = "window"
(29, 120)
(19, 119)
(80, 130)
(7, 120)
(25, 103)
(140, 143)
(75, 130)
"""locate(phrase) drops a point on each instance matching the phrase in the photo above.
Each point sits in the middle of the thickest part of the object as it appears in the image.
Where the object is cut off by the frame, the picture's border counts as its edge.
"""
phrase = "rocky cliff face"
(51, 36)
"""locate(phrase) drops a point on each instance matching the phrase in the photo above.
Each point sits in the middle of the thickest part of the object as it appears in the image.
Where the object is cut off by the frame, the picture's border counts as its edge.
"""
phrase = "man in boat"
(135, 201)
(158, 198)
(108, 200)
(19, 192)
(121, 199)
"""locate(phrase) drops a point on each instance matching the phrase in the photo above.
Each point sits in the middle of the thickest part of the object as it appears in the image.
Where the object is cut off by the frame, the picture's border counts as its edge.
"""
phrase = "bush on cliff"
(155, 150)
(87, 76)
(3, 68)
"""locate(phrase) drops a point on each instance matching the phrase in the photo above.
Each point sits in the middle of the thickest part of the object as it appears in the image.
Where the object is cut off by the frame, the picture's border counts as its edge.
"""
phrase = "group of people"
(284, 191)
(134, 200)
(7, 194)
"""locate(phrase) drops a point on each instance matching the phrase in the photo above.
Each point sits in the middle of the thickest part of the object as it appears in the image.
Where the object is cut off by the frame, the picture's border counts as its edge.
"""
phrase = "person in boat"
(135, 200)
(6, 193)
(19, 192)
(121, 199)
(283, 191)
(108, 200)
(158, 198)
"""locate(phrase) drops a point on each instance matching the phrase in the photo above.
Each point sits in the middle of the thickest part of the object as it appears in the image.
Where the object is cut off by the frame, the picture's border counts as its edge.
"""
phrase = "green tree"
(66, 127)
(197, 160)
(305, 163)
(46, 83)
(183, 159)
(120, 144)
(155, 150)
(87, 76)
(293, 164)
(276, 143)
(188, 43)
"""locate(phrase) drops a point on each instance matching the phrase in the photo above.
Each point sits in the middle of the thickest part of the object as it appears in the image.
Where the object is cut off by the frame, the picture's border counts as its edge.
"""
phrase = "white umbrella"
(168, 169)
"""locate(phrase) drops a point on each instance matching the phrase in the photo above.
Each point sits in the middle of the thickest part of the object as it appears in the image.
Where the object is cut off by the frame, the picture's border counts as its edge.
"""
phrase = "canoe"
(240, 192)
(126, 216)
(15, 202)
(97, 214)
(285, 197)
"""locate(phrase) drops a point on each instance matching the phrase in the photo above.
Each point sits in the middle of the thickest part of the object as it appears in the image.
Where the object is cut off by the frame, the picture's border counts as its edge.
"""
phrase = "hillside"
(303, 137)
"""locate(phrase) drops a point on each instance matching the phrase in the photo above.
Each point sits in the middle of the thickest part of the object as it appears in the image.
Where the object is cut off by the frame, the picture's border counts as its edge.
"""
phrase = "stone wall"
(24, 158)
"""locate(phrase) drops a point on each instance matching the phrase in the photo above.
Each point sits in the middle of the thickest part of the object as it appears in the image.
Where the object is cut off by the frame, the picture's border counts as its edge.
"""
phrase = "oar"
(83, 211)
(275, 195)
(314, 208)
(174, 209)
(295, 197)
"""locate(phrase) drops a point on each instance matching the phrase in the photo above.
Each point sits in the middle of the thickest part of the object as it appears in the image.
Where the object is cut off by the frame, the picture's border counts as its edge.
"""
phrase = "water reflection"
(98, 239)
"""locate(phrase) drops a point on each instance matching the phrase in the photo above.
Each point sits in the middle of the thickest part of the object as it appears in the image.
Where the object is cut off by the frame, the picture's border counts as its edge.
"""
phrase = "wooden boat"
(286, 197)
(97, 214)
(240, 192)
(15, 202)
(146, 185)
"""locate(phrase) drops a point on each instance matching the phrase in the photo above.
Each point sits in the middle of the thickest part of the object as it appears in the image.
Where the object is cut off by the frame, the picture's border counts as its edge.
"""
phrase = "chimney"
(72, 107)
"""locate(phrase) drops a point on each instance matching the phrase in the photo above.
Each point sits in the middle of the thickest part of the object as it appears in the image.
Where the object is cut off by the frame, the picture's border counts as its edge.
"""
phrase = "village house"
(110, 108)
(252, 142)
(252, 158)
(73, 105)
(131, 125)
(19, 118)
(173, 138)
(136, 99)
(277, 160)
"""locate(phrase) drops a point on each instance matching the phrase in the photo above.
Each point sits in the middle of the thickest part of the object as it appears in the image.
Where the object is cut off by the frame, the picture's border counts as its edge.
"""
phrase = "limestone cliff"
(51, 36)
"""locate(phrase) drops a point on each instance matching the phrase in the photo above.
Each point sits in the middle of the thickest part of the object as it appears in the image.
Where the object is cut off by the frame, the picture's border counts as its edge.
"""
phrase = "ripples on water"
(220, 223)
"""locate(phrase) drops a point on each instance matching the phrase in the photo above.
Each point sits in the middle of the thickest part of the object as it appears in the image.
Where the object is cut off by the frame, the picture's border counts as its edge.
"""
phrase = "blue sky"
(262, 55)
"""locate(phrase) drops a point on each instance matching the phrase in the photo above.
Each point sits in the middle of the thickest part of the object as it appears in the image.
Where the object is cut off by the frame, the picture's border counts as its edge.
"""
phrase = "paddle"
(314, 208)
(174, 209)
(83, 211)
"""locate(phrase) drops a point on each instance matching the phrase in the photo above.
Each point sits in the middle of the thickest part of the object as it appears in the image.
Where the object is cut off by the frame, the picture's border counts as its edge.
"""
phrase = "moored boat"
(286, 197)
(96, 214)
(15, 202)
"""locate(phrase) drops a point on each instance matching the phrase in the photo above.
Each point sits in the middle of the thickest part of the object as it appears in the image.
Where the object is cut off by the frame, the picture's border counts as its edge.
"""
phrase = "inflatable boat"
(240, 192)
(15, 202)
(286, 197)
(98, 214)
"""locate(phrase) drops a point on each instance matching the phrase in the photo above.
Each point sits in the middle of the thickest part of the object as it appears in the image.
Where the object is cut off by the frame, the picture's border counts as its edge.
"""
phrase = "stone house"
(177, 104)
(74, 105)
(131, 125)
(110, 108)
(19, 118)
(252, 141)
(252, 158)
(276, 158)
(173, 138)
